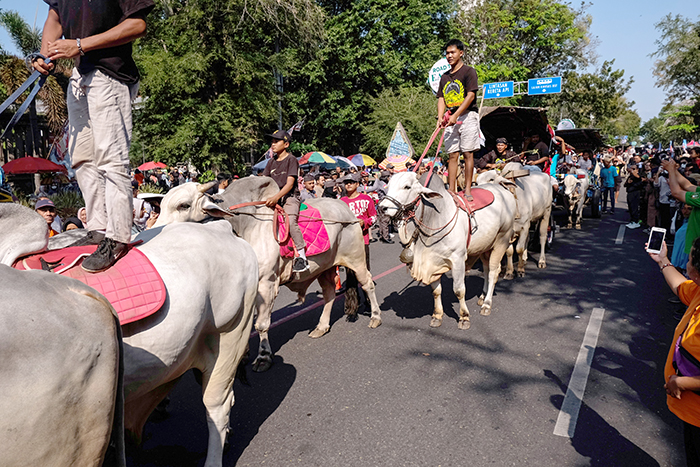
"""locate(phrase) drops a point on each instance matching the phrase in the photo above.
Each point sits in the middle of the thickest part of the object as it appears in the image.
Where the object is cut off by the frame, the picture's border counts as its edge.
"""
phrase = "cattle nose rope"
(275, 219)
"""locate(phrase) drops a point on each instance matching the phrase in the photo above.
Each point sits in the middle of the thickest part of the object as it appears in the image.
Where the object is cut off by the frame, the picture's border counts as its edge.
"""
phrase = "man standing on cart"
(457, 94)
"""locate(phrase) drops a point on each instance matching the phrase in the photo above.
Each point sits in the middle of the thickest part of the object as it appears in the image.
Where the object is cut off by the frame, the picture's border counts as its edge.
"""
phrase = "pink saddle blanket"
(482, 198)
(313, 230)
(132, 285)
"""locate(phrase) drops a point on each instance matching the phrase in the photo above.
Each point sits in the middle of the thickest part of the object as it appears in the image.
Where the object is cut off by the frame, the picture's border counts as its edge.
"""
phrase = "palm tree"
(14, 71)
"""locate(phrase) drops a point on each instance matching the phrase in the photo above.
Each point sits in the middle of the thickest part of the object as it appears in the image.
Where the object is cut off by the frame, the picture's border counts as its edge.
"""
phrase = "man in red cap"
(283, 168)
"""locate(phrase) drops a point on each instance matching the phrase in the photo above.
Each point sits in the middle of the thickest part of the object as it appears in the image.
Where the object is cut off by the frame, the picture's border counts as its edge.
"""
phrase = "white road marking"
(568, 415)
(620, 235)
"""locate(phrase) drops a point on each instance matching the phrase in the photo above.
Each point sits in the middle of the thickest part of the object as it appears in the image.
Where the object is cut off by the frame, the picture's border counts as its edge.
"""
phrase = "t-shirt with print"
(693, 232)
(455, 86)
(687, 408)
(363, 208)
(85, 18)
(542, 151)
(280, 170)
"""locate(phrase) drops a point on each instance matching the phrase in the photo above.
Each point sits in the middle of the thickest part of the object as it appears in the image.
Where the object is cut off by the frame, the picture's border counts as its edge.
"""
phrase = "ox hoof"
(521, 273)
(569, 226)
(318, 332)
(485, 310)
(464, 324)
(578, 226)
(374, 323)
(262, 363)
(480, 301)
(435, 323)
(508, 276)
(541, 265)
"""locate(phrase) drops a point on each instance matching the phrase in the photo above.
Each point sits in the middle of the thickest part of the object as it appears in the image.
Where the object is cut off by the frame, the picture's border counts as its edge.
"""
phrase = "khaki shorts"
(463, 137)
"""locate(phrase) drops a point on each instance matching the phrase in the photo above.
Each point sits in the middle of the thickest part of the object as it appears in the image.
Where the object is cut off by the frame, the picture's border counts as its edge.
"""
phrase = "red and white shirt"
(363, 208)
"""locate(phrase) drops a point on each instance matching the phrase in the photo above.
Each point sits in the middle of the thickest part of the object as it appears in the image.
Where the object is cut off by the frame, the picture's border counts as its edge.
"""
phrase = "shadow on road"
(597, 440)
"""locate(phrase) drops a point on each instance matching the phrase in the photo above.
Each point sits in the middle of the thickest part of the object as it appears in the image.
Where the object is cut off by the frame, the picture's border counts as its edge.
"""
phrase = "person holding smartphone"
(682, 369)
(686, 192)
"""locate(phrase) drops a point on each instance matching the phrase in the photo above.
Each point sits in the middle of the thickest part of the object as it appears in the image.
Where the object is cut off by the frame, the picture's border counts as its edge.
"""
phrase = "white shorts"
(463, 137)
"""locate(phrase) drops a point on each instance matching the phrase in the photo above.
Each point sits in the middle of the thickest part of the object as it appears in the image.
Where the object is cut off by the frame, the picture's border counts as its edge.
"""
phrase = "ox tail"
(117, 441)
(352, 298)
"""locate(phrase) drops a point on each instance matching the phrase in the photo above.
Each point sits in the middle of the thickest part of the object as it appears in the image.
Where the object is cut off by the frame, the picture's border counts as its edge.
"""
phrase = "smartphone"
(656, 240)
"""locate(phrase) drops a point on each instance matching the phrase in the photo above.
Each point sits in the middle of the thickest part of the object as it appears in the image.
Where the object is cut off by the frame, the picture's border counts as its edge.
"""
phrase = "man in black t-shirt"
(98, 36)
(457, 94)
(283, 168)
(539, 155)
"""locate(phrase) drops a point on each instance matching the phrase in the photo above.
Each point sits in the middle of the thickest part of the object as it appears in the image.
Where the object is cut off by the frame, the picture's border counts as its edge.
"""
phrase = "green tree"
(415, 107)
(596, 100)
(207, 75)
(371, 45)
(14, 71)
(675, 122)
(677, 68)
(522, 39)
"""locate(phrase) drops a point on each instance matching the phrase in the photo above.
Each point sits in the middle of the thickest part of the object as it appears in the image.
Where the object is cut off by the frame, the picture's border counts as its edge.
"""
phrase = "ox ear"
(428, 193)
(213, 209)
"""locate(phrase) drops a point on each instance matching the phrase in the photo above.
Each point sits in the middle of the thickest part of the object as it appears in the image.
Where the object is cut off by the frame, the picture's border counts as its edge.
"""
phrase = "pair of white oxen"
(67, 379)
(441, 237)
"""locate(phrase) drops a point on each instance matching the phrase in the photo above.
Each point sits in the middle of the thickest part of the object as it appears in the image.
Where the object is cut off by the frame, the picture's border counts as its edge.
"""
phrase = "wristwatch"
(80, 47)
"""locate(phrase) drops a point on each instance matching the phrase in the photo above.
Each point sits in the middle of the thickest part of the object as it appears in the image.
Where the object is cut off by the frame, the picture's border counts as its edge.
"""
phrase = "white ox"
(187, 203)
(575, 193)
(534, 202)
(211, 280)
(60, 352)
(441, 234)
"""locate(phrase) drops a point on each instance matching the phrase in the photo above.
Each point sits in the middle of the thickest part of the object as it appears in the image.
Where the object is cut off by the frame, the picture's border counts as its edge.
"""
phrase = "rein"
(275, 219)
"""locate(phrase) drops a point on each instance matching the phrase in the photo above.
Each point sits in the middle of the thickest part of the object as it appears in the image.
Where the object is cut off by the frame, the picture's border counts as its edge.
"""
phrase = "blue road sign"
(539, 86)
(494, 90)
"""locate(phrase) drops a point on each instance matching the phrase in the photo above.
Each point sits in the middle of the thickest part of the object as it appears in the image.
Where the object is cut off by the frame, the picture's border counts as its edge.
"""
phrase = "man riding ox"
(253, 221)
(534, 204)
(443, 237)
(575, 193)
(208, 281)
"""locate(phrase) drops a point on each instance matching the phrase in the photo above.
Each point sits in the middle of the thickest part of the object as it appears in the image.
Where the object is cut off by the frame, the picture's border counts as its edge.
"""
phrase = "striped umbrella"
(362, 159)
(316, 157)
(399, 162)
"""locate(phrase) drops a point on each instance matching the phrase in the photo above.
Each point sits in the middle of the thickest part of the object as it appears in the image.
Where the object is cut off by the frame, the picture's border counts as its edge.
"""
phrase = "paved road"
(408, 395)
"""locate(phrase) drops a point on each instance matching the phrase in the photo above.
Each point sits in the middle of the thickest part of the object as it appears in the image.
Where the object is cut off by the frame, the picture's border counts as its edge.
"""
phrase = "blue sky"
(624, 29)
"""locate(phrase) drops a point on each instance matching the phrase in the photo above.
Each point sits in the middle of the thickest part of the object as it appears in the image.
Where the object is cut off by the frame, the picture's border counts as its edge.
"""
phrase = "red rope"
(275, 220)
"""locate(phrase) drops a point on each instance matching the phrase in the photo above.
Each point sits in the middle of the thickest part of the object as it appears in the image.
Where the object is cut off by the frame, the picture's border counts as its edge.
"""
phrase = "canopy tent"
(31, 165)
(514, 124)
(582, 139)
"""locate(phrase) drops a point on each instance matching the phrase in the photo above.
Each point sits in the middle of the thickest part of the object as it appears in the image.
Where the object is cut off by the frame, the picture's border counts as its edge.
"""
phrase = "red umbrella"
(152, 165)
(31, 165)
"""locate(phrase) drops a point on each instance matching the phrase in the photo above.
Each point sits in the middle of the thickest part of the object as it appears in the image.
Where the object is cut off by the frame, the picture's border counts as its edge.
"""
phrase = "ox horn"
(206, 187)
